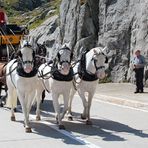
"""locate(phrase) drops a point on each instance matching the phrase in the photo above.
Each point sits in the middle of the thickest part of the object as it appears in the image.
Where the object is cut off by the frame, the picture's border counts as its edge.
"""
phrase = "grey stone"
(120, 25)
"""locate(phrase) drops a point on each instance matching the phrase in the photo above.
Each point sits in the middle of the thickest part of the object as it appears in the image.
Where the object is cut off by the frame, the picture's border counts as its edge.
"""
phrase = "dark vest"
(60, 77)
(22, 73)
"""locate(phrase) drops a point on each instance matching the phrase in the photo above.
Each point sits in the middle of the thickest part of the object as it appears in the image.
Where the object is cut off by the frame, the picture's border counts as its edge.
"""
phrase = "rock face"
(123, 28)
(27, 4)
(121, 25)
(47, 34)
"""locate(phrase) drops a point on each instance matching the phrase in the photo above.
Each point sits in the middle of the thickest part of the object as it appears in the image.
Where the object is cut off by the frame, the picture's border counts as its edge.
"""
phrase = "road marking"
(123, 106)
(122, 99)
(68, 134)
(119, 105)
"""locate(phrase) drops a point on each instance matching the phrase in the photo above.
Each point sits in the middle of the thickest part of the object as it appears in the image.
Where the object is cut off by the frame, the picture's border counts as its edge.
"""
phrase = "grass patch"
(23, 17)
(36, 23)
(56, 5)
(105, 80)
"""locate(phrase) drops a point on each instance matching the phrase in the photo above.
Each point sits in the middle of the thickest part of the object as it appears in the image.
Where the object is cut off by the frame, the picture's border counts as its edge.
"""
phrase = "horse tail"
(11, 101)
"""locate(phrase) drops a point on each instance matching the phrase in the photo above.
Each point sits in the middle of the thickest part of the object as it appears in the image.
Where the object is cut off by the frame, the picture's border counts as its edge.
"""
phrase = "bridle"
(20, 55)
(64, 61)
(95, 61)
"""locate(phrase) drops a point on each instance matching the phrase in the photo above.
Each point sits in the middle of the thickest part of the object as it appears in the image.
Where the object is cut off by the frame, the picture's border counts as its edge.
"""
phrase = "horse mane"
(25, 41)
(65, 45)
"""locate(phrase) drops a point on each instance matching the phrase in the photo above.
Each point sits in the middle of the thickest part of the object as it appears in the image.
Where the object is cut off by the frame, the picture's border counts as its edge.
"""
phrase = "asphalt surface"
(122, 94)
(119, 119)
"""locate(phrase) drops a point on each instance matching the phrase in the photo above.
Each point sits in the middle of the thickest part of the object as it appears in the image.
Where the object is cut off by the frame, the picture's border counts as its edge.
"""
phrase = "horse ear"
(18, 53)
(95, 51)
(106, 59)
(71, 56)
(21, 43)
(58, 55)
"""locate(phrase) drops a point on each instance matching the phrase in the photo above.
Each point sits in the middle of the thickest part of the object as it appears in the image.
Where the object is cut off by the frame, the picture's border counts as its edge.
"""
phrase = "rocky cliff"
(120, 25)
(22, 5)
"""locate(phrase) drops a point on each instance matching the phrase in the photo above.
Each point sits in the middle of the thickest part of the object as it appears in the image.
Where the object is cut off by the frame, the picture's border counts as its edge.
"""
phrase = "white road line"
(115, 104)
(122, 99)
(68, 134)
(123, 106)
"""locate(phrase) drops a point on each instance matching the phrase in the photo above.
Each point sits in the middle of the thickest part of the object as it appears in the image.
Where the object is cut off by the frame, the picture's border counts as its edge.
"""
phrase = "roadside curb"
(121, 101)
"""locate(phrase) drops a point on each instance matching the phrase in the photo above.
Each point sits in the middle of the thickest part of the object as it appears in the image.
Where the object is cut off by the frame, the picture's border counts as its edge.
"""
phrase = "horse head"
(98, 60)
(64, 56)
(41, 50)
(26, 56)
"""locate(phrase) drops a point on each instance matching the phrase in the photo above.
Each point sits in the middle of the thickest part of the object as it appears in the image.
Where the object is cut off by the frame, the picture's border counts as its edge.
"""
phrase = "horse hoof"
(88, 122)
(13, 118)
(38, 118)
(83, 117)
(57, 120)
(61, 127)
(28, 130)
(70, 118)
(15, 110)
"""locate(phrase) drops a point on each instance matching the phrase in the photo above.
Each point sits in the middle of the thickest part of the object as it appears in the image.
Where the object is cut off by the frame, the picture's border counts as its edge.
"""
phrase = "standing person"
(139, 63)
(3, 19)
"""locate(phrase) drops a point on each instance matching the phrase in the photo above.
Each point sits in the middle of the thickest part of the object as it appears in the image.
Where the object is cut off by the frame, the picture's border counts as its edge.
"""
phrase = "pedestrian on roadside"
(3, 19)
(138, 66)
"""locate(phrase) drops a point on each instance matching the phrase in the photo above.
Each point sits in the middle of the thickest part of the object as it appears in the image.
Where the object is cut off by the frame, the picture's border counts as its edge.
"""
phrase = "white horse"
(90, 68)
(60, 76)
(22, 81)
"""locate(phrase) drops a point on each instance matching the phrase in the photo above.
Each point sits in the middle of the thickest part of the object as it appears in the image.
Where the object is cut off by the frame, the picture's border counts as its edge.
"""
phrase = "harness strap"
(45, 86)
(11, 72)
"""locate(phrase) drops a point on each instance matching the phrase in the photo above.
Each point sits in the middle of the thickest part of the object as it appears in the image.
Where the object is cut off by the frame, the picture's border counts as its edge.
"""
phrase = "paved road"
(123, 94)
(114, 125)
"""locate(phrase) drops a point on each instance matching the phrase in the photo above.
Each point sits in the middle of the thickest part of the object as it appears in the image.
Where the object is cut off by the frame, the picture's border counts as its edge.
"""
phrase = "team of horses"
(27, 79)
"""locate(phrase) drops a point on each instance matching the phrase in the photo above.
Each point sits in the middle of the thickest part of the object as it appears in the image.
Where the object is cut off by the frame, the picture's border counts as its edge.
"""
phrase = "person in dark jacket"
(139, 63)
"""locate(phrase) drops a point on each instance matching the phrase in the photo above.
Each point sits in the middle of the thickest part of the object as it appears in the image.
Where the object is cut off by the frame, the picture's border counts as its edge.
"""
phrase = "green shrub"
(106, 80)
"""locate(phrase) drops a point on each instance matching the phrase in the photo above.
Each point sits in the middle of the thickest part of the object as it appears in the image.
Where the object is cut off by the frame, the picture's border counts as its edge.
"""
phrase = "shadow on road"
(107, 129)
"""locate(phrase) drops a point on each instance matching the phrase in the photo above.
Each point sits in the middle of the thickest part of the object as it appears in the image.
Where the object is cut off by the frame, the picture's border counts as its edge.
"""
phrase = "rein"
(10, 71)
(44, 76)
(61, 62)
(97, 68)
(84, 74)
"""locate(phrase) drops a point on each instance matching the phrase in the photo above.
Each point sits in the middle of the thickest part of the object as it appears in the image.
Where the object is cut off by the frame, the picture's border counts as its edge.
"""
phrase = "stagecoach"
(10, 36)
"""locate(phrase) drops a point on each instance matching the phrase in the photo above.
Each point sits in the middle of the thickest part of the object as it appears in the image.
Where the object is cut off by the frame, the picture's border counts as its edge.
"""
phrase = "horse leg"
(66, 101)
(23, 103)
(29, 97)
(38, 99)
(1, 104)
(11, 101)
(26, 119)
(85, 104)
(69, 112)
(43, 96)
(56, 105)
(90, 96)
(4, 99)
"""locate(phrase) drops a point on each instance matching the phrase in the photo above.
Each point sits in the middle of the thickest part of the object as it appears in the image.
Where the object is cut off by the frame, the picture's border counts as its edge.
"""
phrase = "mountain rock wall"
(119, 25)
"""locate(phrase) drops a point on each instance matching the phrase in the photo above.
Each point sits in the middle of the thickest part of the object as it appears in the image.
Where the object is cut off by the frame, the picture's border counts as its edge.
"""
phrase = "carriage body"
(10, 37)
